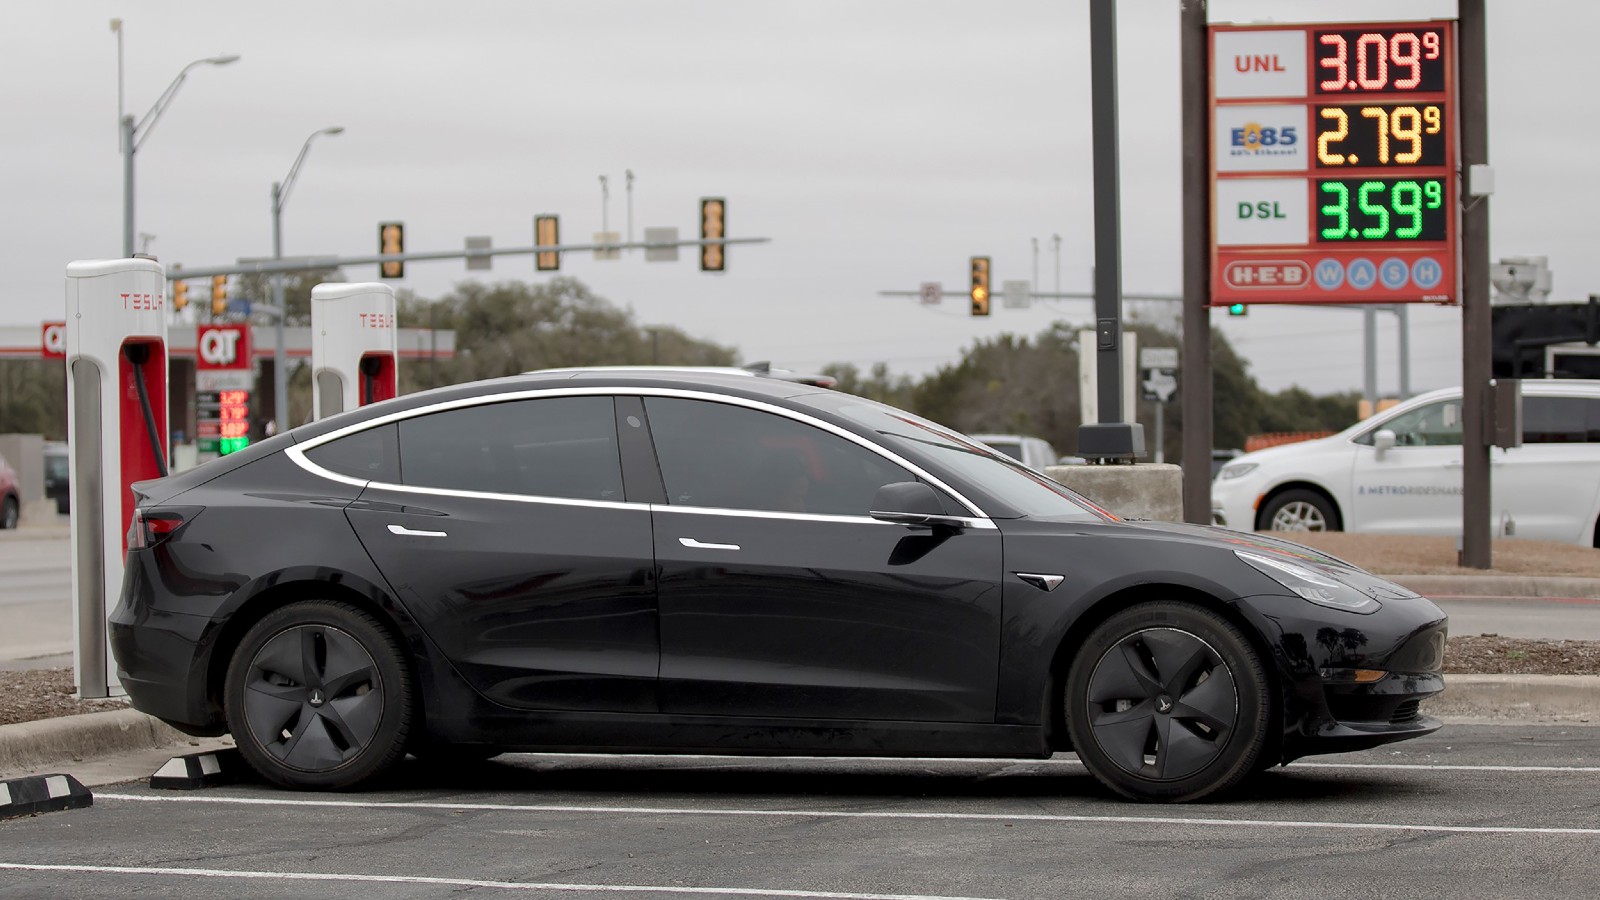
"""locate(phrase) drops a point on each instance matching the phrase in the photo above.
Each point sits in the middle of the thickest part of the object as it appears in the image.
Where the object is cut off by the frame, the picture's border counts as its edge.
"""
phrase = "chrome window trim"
(795, 516)
(297, 453)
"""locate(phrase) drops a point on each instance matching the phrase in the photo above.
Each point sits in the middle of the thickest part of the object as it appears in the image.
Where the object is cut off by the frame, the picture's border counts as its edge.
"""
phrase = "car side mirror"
(911, 503)
(1382, 441)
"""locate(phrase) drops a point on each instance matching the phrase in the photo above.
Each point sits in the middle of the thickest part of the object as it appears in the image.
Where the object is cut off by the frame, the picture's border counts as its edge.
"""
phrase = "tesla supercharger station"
(353, 346)
(117, 429)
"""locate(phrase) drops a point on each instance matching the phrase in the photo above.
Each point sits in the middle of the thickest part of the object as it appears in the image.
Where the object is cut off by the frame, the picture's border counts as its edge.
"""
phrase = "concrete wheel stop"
(36, 794)
(193, 771)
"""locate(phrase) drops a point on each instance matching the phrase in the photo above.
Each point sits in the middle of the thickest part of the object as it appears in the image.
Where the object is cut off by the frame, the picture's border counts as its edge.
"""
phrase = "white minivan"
(1399, 472)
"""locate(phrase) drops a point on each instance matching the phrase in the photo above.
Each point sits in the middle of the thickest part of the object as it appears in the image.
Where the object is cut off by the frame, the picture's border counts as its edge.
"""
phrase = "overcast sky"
(879, 145)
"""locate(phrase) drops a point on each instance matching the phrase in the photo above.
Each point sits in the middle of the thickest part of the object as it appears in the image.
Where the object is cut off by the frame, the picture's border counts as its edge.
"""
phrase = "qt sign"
(223, 347)
(53, 340)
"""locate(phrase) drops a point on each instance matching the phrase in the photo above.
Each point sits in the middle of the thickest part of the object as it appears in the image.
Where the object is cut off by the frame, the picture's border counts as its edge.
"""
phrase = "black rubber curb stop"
(193, 771)
(41, 794)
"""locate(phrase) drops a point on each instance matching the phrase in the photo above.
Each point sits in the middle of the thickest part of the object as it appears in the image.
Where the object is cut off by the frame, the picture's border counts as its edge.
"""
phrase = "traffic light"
(980, 285)
(547, 233)
(219, 294)
(713, 226)
(391, 240)
(1238, 309)
(180, 295)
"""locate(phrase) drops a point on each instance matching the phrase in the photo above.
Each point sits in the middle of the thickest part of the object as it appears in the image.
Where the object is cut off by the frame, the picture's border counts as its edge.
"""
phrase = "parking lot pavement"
(1473, 811)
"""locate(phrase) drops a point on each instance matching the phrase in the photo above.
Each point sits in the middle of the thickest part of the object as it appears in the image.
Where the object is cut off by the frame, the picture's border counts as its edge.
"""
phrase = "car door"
(1547, 488)
(509, 537)
(781, 597)
(1413, 487)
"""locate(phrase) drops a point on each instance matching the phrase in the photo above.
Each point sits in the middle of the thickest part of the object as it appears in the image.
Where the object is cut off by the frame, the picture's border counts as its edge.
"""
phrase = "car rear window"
(369, 455)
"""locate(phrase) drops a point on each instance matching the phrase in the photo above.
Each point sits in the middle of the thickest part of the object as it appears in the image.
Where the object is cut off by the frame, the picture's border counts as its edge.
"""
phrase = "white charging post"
(353, 347)
(117, 432)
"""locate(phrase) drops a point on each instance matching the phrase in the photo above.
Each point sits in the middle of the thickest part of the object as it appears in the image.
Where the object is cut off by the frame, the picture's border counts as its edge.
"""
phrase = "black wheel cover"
(313, 697)
(1162, 704)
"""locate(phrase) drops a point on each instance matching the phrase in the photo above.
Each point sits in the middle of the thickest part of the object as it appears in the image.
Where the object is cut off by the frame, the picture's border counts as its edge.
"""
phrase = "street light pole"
(134, 133)
(280, 196)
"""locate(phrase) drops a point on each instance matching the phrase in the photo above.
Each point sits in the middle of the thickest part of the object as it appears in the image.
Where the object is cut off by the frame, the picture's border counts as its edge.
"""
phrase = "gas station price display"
(1333, 163)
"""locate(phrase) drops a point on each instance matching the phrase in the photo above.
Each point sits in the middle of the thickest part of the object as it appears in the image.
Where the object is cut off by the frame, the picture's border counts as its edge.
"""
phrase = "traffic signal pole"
(1195, 413)
(1110, 439)
(1476, 325)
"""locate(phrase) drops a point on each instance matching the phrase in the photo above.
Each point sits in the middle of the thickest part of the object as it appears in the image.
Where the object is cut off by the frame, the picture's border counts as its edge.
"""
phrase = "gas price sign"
(1333, 163)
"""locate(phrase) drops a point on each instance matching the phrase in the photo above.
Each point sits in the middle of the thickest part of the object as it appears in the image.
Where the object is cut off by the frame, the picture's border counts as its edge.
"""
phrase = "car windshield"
(1024, 491)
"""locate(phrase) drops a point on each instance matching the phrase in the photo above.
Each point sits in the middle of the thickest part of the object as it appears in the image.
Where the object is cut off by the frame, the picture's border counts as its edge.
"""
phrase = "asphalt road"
(1473, 812)
(35, 594)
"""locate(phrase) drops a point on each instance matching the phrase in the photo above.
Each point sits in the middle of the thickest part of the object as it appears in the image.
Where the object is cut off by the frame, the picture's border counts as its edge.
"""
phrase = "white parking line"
(846, 814)
(469, 882)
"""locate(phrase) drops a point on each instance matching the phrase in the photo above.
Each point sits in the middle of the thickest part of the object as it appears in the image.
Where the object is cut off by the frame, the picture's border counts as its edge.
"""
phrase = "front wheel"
(1167, 701)
(8, 513)
(1300, 510)
(318, 696)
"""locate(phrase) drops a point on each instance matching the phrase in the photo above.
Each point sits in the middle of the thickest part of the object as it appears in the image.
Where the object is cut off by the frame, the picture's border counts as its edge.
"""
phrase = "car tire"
(1167, 701)
(9, 512)
(1300, 510)
(318, 697)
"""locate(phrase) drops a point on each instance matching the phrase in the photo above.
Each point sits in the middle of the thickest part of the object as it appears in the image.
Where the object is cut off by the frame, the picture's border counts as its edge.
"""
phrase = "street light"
(280, 197)
(134, 133)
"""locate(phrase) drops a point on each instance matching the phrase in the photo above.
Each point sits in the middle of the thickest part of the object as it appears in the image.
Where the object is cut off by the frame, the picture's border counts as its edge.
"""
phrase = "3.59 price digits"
(1380, 135)
(1381, 209)
(1387, 60)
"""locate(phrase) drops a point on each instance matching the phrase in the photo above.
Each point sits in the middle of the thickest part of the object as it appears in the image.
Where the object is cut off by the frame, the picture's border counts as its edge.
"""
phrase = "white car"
(1400, 473)
(1035, 453)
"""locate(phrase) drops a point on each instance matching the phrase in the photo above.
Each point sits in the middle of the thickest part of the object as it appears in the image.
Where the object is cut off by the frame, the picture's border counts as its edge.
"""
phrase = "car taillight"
(152, 526)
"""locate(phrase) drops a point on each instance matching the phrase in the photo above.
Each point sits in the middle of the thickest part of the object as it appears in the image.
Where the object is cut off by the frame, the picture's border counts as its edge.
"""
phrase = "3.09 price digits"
(1381, 209)
(1386, 60)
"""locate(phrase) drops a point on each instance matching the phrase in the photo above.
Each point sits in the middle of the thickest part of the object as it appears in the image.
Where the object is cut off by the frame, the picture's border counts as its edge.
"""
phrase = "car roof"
(621, 378)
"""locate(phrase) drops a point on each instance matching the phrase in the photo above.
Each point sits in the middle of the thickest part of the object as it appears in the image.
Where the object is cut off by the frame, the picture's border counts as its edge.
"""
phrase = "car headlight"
(1237, 470)
(1315, 585)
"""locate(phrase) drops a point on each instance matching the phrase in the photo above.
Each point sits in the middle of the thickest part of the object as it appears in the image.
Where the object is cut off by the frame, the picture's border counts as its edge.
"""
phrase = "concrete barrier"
(1143, 491)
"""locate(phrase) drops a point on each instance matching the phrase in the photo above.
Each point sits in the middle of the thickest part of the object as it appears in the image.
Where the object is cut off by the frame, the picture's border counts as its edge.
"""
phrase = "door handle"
(401, 529)
(699, 545)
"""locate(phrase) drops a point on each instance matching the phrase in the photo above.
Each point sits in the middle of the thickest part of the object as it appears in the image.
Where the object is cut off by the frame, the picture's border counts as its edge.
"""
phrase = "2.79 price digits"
(1381, 209)
(1391, 134)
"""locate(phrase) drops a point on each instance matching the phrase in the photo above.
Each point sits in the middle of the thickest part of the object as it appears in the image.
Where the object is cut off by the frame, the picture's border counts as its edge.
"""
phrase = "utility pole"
(605, 205)
(1194, 73)
(628, 173)
(1056, 240)
(1476, 325)
(1034, 284)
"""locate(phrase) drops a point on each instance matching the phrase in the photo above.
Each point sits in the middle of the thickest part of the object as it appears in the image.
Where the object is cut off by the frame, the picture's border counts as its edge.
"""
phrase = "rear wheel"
(1300, 510)
(1168, 701)
(318, 696)
(8, 513)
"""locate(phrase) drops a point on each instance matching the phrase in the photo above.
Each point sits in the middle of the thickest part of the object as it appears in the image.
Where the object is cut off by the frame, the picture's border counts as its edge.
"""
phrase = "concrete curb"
(1519, 698)
(1499, 586)
(52, 743)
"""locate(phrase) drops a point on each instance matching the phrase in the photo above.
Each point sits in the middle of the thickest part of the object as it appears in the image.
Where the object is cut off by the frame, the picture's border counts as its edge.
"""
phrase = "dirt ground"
(1406, 555)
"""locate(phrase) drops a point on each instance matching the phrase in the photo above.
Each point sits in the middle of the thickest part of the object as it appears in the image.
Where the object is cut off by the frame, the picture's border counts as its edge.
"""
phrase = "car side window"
(370, 455)
(1434, 425)
(1560, 420)
(552, 447)
(732, 457)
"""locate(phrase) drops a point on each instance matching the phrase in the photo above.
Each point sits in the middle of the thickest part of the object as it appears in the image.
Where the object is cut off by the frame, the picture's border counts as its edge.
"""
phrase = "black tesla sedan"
(692, 562)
